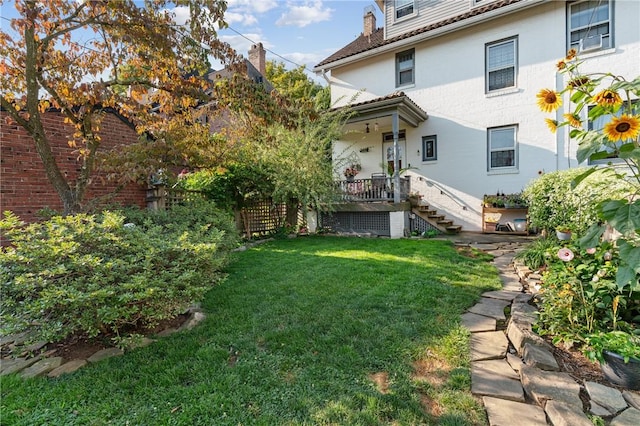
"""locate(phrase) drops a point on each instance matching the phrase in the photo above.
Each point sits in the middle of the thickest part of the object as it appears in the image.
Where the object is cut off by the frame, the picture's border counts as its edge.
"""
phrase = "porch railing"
(372, 189)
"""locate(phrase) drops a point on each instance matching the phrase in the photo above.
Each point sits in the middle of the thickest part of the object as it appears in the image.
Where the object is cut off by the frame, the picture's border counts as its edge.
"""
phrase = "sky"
(295, 32)
(302, 31)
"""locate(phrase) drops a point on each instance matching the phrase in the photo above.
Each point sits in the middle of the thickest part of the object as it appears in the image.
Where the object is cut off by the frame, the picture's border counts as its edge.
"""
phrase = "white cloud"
(242, 45)
(252, 6)
(309, 13)
(181, 14)
(242, 18)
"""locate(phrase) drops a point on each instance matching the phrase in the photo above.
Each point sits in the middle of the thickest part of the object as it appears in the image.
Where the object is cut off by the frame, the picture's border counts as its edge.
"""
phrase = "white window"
(429, 148)
(501, 64)
(405, 65)
(404, 8)
(589, 25)
(502, 147)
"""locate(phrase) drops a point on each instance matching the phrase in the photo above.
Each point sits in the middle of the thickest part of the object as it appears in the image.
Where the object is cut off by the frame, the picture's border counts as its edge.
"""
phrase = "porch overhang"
(386, 106)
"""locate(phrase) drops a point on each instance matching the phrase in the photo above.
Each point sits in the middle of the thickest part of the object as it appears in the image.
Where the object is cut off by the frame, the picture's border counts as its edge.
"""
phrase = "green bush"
(579, 294)
(89, 275)
(554, 203)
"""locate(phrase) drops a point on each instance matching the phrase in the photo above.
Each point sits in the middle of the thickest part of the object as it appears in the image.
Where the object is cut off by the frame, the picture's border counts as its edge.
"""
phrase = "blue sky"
(303, 31)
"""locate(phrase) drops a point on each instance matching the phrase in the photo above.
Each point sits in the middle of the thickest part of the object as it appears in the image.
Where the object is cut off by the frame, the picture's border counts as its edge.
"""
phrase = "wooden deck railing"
(372, 189)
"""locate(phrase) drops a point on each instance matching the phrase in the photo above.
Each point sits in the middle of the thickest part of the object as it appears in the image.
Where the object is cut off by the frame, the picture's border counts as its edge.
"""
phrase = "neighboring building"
(24, 186)
(461, 76)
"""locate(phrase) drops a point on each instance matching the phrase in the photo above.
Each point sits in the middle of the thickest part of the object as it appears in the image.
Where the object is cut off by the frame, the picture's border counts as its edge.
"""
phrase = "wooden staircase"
(437, 220)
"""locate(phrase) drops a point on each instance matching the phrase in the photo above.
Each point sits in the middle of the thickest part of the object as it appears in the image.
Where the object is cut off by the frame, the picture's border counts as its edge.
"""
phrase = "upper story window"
(501, 64)
(405, 66)
(590, 25)
(404, 8)
(502, 148)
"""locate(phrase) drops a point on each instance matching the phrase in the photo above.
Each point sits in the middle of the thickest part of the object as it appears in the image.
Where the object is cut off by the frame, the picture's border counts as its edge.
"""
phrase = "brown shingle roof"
(362, 43)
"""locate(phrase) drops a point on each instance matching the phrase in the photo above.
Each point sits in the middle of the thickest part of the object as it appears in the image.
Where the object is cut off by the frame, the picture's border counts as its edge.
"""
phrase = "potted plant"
(563, 232)
(619, 356)
(351, 171)
(414, 199)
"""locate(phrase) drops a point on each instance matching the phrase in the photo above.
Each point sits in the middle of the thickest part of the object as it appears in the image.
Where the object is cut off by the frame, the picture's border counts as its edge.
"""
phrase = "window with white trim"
(599, 123)
(405, 65)
(501, 64)
(589, 25)
(502, 148)
(404, 8)
(429, 148)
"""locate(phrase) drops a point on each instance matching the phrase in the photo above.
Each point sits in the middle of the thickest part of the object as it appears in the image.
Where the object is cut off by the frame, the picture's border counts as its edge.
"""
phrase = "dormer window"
(590, 25)
(404, 8)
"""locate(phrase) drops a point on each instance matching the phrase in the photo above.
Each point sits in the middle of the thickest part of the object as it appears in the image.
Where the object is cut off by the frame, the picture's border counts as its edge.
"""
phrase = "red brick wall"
(24, 187)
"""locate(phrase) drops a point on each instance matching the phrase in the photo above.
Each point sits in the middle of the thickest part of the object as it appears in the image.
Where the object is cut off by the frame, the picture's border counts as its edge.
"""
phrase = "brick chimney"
(257, 57)
(369, 21)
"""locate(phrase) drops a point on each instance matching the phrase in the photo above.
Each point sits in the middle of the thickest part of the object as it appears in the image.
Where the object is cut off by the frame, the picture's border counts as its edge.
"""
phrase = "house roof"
(376, 39)
(399, 102)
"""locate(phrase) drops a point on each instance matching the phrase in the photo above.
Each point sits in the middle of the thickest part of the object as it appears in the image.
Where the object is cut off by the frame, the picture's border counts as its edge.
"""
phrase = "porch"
(378, 188)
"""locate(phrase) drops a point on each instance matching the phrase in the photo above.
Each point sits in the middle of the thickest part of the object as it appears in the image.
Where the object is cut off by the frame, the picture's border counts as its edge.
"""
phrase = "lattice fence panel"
(377, 223)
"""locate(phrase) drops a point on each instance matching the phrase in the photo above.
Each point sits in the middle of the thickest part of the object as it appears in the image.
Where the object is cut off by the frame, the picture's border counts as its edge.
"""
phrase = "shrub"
(553, 202)
(579, 294)
(89, 275)
(535, 254)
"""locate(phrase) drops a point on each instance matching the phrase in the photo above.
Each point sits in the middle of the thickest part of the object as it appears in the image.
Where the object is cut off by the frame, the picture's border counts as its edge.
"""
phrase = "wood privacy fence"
(255, 219)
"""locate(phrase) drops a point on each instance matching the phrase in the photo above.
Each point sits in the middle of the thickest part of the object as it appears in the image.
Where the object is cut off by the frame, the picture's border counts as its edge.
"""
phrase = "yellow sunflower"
(551, 124)
(574, 120)
(622, 128)
(548, 100)
(607, 98)
(571, 54)
(561, 65)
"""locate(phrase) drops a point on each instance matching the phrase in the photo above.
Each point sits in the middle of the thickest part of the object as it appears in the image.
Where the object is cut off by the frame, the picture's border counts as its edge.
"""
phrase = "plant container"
(617, 371)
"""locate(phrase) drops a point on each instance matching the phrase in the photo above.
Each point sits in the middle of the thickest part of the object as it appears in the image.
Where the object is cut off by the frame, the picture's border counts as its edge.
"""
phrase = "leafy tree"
(294, 84)
(128, 45)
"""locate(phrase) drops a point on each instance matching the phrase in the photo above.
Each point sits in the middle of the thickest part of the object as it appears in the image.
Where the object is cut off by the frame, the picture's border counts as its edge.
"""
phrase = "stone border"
(514, 370)
(34, 363)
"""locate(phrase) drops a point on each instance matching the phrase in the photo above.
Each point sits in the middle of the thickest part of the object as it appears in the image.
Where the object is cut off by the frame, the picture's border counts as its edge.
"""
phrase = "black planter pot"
(617, 371)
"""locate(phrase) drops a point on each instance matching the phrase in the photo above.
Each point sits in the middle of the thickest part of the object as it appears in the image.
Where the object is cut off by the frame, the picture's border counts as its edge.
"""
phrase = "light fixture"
(375, 126)
(366, 130)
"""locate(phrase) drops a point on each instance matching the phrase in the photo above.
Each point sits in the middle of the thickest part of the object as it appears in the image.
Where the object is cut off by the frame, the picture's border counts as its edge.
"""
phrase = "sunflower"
(571, 54)
(578, 81)
(548, 100)
(551, 124)
(622, 128)
(574, 120)
(561, 65)
(607, 98)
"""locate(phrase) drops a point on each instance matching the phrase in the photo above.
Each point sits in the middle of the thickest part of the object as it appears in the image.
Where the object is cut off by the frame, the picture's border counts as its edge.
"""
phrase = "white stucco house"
(453, 84)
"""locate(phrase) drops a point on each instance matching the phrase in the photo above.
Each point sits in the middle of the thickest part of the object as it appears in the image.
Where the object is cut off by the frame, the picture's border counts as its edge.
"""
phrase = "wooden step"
(436, 217)
(454, 229)
(445, 222)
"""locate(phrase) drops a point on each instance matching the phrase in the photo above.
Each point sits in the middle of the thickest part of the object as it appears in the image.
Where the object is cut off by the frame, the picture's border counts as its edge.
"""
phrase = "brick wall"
(24, 187)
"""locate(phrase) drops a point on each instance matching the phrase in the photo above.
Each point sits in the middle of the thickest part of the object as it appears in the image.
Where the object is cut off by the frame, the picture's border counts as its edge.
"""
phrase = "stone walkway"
(514, 371)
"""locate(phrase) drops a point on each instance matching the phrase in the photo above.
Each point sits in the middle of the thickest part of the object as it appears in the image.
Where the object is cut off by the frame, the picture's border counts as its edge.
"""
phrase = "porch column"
(396, 159)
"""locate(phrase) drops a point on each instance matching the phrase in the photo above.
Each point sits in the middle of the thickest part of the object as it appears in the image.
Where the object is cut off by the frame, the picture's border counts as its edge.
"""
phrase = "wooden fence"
(260, 218)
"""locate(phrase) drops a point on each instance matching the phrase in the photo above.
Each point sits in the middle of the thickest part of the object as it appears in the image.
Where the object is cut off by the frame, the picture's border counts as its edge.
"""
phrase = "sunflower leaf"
(592, 237)
(591, 143)
(621, 215)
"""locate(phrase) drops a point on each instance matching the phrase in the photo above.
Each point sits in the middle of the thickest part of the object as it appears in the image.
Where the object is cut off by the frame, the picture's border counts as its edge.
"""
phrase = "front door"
(387, 149)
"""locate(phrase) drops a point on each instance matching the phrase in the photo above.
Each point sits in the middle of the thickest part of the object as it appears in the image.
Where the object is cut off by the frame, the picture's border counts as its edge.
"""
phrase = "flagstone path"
(514, 370)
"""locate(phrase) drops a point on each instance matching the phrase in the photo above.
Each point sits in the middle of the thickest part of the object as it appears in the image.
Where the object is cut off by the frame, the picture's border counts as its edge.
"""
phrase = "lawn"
(314, 330)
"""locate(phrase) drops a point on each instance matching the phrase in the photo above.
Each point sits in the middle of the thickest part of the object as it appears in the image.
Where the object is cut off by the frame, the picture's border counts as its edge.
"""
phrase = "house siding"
(450, 86)
(24, 187)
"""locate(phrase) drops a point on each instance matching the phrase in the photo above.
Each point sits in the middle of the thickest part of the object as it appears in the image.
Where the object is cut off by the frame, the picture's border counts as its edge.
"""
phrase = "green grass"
(292, 337)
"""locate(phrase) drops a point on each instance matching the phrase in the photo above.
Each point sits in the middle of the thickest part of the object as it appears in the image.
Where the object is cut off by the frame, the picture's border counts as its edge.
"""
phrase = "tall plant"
(611, 98)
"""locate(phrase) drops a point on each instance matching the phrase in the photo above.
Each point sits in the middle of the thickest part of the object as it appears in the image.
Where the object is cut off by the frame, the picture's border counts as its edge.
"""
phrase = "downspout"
(323, 73)
(396, 160)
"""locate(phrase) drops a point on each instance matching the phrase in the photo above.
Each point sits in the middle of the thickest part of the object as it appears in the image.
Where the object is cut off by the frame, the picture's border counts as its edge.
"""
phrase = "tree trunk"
(69, 198)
